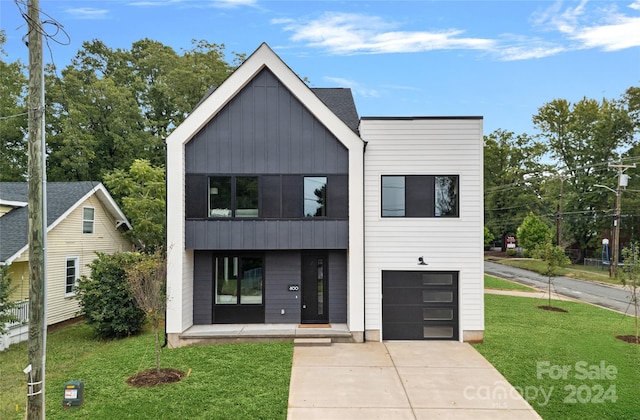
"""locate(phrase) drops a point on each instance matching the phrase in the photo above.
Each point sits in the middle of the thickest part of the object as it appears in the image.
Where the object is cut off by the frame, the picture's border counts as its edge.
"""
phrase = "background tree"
(140, 192)
(13, 119)
(532, 233)
(147, 283)
(584, 137)
(513, 179)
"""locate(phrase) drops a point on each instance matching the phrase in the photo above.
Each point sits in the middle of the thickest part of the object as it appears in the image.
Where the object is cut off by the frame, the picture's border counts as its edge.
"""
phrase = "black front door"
(315, 305)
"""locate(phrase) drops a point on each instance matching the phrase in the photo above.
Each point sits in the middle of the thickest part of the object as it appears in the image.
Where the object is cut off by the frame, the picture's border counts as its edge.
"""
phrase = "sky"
(501, 60)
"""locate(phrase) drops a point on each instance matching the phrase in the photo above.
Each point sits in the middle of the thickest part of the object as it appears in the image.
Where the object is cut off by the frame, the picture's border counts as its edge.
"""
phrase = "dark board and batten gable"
(265, 130)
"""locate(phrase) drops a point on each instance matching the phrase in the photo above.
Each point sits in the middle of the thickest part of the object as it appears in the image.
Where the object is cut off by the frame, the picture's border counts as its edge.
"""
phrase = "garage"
(419, 305)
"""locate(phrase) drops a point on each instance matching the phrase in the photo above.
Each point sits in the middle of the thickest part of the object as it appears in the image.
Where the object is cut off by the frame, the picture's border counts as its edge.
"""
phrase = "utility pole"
(559, 213)
(617, 217)
(37, 219)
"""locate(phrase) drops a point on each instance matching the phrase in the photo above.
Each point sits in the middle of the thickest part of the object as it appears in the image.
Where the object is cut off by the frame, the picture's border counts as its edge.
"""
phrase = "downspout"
(166, 223)
(364, 234)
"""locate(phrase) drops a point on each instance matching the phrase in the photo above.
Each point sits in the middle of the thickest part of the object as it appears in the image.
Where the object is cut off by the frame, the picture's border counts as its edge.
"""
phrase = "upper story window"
(420, 196)
(72, 273)
(88, 219)
(315, 196)
(233, 196)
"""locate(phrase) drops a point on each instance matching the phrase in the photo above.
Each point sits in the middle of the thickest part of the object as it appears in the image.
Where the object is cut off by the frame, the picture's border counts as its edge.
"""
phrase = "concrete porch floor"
(224, 333)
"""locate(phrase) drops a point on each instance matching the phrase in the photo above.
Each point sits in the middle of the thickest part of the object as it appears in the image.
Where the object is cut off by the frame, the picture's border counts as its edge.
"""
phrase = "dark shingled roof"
(340, 101)
(13, 226)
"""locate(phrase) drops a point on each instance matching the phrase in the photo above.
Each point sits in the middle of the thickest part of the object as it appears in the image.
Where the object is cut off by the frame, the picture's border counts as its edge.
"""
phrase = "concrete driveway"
(400, 380)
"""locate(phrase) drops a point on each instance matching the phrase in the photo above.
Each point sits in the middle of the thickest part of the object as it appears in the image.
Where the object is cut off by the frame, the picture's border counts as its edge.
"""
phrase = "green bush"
(511, 252)
(105, 297)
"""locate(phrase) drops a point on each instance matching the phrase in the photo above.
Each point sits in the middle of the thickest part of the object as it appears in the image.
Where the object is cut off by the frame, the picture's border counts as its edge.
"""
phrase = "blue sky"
(498, 59)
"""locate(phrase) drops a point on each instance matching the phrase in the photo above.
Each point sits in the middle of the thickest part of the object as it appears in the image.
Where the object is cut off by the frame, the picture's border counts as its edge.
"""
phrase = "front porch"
(238, 333)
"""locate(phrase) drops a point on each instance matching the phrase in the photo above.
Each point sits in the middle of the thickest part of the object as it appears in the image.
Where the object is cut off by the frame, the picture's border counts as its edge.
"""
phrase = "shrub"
(512, 252)
(106, 299)
(6, 304)
(532, 233)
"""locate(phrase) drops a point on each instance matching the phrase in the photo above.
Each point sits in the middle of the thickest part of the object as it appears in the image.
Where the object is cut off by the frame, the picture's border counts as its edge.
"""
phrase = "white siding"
(426, 146)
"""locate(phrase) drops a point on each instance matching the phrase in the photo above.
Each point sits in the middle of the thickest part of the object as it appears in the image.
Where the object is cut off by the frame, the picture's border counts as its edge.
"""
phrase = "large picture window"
(238, 280)
(233, 196)
(420, 196)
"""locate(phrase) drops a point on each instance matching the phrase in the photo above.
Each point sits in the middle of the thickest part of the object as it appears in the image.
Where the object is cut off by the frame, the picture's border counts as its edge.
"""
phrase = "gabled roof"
(334, 108)
(62, 199)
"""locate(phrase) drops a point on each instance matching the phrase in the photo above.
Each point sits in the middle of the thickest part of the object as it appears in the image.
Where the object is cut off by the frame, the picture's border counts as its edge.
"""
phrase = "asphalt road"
(610, 297)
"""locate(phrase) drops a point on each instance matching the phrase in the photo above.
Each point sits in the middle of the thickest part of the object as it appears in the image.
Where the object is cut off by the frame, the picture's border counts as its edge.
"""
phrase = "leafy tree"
(6, 304)
(147, 283)
(13, 119)
(488, 237)
(554, 258)
(513, 179)
(106, 298)
(141, 194)
(584, 137)
(532, 233)
(630, 278)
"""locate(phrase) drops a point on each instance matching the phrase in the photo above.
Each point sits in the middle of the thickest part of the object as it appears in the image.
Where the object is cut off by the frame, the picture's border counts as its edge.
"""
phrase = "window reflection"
(315, 196)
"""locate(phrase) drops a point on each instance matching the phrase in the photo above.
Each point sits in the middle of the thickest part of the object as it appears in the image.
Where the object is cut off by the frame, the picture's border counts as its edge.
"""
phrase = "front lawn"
(573, 357)
(491, 282)
(226, 381)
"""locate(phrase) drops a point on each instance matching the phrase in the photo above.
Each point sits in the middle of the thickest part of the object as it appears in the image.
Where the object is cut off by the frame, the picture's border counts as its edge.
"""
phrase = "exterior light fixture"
(421, 261)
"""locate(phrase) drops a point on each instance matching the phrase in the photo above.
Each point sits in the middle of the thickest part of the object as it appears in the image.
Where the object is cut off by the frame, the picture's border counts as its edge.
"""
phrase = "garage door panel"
(419, 305)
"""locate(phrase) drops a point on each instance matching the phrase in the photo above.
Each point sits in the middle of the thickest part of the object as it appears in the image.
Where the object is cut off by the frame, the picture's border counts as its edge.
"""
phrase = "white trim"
(12, 203)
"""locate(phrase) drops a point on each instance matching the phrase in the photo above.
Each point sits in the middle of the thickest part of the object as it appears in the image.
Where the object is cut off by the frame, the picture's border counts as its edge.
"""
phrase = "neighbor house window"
(315, 196)
(420, 196)
(238, 280)
(88, 219)
(72, 273)
(233, 196)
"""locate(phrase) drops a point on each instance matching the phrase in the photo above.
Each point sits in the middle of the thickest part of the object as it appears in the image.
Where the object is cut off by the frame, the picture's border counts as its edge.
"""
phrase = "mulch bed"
(552, 308)
(151, 377)
(627, 338)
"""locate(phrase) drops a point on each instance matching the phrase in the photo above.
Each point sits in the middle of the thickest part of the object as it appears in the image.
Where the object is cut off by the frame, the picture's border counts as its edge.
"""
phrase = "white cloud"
(354, 86)
(348, 33)
(602, 27)
(88, 13)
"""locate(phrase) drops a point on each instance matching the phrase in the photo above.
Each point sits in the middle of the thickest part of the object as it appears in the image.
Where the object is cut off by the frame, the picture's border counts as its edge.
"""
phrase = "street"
(610, 297)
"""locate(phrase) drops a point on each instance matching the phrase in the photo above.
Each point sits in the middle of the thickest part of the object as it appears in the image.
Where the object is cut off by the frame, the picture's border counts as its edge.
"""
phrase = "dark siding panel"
(266, 234)
(271, 196)
(281, 270)
(265, 129)
(337, 287)
(196, 196)
(338, 197)
(292, 200)
(202, 288)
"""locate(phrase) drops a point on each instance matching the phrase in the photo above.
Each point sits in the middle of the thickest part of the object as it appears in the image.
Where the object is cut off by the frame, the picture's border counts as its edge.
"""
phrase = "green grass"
(227, 380)
(519, 336)
(575, 271)
(491, 282)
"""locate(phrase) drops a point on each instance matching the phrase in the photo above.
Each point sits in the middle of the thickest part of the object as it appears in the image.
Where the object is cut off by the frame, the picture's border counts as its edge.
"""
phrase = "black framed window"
(233, 196)
(238, 280)
(420, 196)
(315, 196)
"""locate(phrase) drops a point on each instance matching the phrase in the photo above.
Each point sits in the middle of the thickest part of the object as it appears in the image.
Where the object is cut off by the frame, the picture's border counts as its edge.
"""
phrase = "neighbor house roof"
(62, 199)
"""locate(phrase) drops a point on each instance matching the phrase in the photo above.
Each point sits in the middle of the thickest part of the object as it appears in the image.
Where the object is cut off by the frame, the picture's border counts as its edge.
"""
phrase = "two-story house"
(285, 208)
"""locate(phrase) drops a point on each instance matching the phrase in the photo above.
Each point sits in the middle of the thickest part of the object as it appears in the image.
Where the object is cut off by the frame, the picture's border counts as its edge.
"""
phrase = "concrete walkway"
(400, 380)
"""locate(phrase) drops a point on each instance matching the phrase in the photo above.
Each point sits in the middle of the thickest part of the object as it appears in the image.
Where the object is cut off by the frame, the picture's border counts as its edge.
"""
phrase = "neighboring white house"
(82, 219)
(286, 208)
